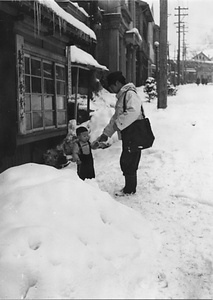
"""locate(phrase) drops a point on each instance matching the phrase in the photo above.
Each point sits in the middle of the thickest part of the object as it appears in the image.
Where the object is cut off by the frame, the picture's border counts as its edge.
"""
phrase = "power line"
(179, 15)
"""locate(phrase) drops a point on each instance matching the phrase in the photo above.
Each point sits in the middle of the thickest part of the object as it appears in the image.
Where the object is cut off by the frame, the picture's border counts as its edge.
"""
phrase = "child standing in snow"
(82, 154)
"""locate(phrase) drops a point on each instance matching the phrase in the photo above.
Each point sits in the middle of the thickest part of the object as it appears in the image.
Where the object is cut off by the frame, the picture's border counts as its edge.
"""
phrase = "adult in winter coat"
(127, 110)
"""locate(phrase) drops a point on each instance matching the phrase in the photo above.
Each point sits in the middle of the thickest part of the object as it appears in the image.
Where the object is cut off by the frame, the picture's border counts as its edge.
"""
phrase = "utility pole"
(178, 53)
(162, 96)
(184, 54)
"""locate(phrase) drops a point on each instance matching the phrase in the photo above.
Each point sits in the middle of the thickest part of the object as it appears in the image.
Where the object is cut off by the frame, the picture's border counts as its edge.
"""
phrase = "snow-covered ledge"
(79, 56)
(60, 12)
(133, 37)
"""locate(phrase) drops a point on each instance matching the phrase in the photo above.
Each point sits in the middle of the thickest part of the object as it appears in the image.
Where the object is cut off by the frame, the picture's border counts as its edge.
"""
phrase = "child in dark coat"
(82, 154)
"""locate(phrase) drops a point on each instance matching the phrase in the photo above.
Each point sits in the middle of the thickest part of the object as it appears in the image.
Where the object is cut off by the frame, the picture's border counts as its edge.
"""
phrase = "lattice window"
(45, 94)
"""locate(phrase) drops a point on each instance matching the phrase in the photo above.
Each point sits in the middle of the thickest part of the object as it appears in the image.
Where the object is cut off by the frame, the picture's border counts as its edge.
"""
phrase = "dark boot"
(130, 184)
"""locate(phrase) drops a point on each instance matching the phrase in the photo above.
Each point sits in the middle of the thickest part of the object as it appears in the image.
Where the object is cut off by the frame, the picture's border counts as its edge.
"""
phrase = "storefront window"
(45, 94)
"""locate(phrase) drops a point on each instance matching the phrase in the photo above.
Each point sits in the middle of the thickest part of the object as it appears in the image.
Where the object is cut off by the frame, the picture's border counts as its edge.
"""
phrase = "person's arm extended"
(111, 128)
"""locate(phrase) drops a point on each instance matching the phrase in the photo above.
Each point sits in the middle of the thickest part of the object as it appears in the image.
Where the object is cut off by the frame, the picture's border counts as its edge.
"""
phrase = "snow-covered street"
(175, 190)
(61, 237)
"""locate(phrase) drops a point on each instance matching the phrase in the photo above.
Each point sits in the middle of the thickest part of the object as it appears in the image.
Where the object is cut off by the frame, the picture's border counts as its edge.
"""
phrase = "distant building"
(199, 67)
(201, 57)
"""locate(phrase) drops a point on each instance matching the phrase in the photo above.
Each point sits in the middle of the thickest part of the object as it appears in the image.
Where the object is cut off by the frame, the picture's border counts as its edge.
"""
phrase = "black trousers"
(86, 168)
(129, 162)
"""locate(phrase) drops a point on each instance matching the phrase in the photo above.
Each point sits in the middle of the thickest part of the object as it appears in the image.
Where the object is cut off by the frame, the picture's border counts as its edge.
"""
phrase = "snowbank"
(61, 237)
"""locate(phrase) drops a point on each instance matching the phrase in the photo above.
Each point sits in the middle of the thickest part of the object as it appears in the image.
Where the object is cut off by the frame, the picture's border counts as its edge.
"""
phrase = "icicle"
(34, 12)
(37, 18)
(64, 25)
(60, 24)
(53, 23)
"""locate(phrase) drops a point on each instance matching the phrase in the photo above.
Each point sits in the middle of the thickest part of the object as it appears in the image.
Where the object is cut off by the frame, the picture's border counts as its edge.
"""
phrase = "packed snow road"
(175, 190)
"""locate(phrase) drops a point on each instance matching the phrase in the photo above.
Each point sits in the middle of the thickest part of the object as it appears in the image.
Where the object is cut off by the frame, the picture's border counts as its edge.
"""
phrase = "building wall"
(22, 44)
(111, 39)
(118, 18)
(8, 111)
(143, 52)
(110, 6)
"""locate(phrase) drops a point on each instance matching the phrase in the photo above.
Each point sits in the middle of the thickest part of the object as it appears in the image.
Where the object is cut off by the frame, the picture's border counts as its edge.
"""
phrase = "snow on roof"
(209, 53)
(135, 30)
(80, 8)
(80, 56)
(51, 4)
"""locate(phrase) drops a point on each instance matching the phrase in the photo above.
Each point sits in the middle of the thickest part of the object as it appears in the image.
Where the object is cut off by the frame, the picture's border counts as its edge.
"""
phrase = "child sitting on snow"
(82, 154)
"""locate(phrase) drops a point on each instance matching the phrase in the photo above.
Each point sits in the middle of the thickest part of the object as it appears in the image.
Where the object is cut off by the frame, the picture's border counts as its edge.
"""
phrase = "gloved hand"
(95, 145)
(103, 138)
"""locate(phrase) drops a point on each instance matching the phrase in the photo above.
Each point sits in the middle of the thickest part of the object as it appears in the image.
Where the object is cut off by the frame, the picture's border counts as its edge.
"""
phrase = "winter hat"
(81, 129)
(115, 76)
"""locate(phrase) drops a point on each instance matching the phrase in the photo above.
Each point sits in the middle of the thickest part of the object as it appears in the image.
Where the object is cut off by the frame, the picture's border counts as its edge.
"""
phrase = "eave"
(43, 15)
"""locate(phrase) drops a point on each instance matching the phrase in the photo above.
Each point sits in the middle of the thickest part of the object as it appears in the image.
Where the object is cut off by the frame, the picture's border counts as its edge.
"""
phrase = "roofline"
(56, 17)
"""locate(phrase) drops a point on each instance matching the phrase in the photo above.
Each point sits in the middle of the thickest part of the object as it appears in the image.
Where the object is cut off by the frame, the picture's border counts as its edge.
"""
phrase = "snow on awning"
(81, 57)
(133, 37)
(52, 5)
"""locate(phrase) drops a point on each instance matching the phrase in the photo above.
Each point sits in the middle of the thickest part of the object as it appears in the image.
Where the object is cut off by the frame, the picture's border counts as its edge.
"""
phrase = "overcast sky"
(198, 25)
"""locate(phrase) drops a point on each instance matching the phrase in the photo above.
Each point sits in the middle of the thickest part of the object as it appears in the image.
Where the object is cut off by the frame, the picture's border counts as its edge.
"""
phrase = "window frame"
(55, 110)
(25, 49)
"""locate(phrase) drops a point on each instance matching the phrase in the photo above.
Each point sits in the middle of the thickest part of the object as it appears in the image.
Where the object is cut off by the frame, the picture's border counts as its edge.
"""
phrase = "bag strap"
(124, 103)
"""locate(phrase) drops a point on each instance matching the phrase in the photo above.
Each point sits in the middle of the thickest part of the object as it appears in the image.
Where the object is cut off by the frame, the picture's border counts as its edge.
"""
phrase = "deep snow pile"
(62, 238)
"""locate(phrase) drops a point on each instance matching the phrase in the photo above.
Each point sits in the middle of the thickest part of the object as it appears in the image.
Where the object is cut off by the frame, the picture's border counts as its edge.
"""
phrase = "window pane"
(27, 65)
(61, 118)
(48, 102)
(60, 88)
(48, 86)
(48, 70)
(27, 103)
(60, 73)
(35, 67)
(28, 122)
(27, 84)
(36, 85)
(36, 102)
(48, 119)
(37, 120)
(45, 92)
(60, 102)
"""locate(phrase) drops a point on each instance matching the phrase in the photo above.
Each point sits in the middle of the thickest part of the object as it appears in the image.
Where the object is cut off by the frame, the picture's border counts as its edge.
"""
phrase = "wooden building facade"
(35, 83)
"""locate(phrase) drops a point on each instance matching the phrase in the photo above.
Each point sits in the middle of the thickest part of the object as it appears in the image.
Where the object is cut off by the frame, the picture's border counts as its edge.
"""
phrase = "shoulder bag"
(138, 135)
